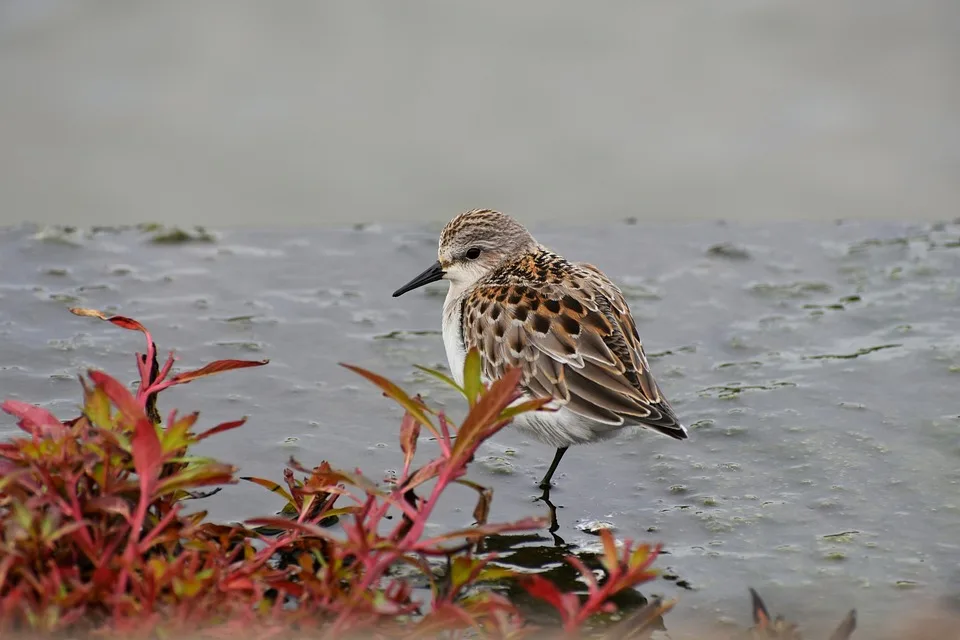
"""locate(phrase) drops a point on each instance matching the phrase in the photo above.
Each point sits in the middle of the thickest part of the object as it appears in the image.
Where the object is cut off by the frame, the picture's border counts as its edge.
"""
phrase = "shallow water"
(817, 365)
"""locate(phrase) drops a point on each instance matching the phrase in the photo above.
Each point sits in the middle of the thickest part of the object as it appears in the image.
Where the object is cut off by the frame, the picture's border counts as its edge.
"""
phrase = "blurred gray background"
(243, 112)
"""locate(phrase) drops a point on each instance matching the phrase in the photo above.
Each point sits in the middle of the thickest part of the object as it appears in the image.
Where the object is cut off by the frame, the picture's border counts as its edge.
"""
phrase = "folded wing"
(576, 343)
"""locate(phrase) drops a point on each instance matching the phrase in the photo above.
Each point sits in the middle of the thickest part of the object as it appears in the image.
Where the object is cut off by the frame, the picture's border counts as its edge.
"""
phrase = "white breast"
(555, 428)
(452, 341)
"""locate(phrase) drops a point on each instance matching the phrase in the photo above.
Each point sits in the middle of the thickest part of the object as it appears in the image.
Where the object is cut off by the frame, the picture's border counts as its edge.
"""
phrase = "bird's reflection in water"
(547, 556)
(554, 523)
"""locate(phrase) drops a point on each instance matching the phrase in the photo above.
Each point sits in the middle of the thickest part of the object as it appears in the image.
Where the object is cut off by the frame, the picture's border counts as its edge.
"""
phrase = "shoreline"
(427, 222)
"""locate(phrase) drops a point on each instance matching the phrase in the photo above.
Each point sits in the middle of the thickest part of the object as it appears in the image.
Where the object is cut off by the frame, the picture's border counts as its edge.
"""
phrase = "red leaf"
(290, 588)
(147, 456)
(545, 590)
(218, 366)
(120, 321)
(119, 396)
(484, 415)
(241, 583)
(220, 428)
(104, 576)
(32, 417)
(127, 323)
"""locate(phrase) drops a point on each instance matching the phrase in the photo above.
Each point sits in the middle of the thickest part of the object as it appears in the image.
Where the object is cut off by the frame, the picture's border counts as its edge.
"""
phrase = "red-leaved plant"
(94, 538)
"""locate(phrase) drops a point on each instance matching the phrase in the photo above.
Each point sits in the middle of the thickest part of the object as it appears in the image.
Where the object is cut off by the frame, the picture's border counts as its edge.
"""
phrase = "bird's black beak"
(432, 274)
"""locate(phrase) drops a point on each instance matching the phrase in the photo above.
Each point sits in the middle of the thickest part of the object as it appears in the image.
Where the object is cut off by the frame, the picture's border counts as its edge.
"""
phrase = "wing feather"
(571, 332)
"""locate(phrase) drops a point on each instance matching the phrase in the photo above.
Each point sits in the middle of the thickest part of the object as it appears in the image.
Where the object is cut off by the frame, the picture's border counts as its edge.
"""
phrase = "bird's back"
(571, 332)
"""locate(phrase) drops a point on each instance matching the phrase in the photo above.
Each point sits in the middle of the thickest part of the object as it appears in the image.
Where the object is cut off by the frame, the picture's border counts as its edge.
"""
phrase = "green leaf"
(22, 516)
(308, 501)
(643, 556)
(471, 376)
(467, 570)
(271, 486)
(176, 436)
(340, 511)
(397, 394)
(524, 407)
(196, 476)
(463, 570)
(97, 409)
(495, 573)
(442, 378)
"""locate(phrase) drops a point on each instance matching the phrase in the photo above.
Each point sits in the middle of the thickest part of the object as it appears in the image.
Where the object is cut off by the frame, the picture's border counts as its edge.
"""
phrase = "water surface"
(817, 365)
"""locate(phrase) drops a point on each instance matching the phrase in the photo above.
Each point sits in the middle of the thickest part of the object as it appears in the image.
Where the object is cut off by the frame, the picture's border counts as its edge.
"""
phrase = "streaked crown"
(485, 229)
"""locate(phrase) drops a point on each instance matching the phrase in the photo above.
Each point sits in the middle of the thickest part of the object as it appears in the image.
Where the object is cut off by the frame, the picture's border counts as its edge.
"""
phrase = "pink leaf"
(33, 419)
(119, 395)
(147, 455)
(120, 321)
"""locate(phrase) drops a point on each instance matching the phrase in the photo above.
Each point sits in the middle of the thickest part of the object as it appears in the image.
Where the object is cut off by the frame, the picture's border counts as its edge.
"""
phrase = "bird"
(564, 324)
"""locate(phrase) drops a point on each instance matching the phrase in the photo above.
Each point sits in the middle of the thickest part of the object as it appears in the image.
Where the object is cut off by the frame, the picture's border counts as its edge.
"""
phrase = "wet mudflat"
(816, 364)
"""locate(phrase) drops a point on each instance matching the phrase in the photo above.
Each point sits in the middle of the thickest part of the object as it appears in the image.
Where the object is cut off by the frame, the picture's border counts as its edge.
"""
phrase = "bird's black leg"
(545, 483)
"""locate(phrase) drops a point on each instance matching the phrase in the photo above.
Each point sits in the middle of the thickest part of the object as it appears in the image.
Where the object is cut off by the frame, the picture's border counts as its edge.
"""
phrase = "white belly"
(452, 342)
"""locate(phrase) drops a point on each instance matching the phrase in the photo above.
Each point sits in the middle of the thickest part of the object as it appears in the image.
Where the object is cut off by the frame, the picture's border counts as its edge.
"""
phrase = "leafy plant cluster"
(96, 537)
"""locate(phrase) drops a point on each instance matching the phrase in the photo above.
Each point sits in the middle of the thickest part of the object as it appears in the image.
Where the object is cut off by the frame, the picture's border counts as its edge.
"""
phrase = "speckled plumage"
(564, 324)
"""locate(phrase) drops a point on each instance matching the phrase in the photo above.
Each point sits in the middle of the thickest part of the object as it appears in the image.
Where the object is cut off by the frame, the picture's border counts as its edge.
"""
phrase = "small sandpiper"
(563, 323)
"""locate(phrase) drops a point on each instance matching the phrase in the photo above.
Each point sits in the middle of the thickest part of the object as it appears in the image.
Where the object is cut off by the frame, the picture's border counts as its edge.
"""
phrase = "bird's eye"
(473, 253)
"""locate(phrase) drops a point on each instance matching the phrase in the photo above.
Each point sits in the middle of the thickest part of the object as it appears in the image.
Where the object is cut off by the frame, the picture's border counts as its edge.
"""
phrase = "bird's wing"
(575, 341)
